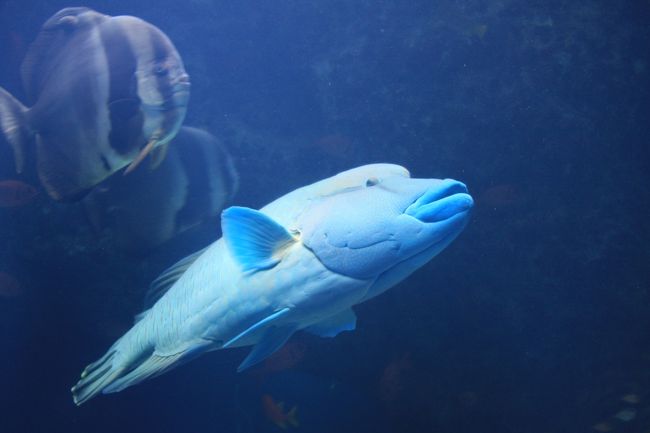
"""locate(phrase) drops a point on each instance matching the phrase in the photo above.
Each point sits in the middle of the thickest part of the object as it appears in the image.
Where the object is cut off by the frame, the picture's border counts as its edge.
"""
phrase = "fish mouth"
(181, 87)
(441, 202)
(180, 96)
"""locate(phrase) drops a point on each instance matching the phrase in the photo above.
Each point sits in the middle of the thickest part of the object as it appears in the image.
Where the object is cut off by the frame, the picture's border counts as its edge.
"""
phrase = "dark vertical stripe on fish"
(197, 203)
(171, 114)
(123, 102)
(161, 51)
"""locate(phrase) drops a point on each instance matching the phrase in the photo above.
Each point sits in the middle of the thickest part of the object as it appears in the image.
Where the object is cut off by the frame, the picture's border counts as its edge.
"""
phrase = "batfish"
(106, 92)
(149, 207)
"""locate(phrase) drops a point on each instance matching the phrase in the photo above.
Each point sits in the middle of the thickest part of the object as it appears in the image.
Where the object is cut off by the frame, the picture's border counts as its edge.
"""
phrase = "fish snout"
(441, 202)
(182, 82)
(181, 90)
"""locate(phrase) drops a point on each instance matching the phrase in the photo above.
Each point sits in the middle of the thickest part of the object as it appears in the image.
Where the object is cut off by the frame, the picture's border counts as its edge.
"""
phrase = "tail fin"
(95, 378)
(13, 124)
(109, 375)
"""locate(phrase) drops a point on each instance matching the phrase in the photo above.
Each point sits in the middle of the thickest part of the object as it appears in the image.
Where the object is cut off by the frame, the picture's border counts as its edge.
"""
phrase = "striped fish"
(106, 92)
(149, 207)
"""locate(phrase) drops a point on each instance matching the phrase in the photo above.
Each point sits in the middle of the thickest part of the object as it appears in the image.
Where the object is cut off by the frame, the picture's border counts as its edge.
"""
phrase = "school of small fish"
(105, 93)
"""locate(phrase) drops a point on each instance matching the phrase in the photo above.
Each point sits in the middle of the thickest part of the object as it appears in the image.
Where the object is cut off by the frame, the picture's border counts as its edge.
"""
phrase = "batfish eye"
(160, 70)
(372, 181)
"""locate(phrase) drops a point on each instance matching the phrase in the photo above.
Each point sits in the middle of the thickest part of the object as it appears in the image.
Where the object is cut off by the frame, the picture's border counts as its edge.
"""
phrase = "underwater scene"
(325, 216)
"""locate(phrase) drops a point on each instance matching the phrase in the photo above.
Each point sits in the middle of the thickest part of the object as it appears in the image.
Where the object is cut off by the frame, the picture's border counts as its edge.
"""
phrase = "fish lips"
(441, 203)
(181, 93)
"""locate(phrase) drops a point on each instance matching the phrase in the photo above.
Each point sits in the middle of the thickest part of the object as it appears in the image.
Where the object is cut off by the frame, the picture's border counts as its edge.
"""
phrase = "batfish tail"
(13, 123)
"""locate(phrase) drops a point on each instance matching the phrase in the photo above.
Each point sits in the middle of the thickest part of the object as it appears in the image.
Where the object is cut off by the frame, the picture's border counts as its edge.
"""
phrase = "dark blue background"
(535, 320)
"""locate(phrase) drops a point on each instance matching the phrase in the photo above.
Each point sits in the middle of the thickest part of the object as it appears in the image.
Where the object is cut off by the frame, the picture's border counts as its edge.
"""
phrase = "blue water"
(536, 319)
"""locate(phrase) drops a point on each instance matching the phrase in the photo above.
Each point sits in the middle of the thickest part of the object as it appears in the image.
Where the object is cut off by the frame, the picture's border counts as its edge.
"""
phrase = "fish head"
(163, 85)
(387, 228)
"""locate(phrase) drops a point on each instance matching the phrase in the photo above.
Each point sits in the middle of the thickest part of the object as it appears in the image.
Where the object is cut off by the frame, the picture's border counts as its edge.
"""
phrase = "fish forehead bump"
(288, 208)
(369, 170)
(357, 177)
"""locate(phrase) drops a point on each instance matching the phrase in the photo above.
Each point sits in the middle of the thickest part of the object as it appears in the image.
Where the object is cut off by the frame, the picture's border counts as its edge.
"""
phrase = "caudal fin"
(13, 124)
(95, 378)
(110, 374)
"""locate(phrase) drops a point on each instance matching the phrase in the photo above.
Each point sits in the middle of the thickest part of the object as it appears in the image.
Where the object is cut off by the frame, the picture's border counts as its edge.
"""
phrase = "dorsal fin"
(164, 281)
(254, 239)
(53, 35)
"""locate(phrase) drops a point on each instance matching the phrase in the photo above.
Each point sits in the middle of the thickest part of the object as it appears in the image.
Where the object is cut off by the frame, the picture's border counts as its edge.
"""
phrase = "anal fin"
(345, 320)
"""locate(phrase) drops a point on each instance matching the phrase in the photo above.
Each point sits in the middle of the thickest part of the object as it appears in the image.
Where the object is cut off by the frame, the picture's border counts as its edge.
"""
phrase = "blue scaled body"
(300, 263)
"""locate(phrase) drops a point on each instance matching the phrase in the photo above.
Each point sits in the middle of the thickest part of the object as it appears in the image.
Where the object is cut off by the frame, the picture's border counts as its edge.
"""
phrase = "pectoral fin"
(254, 239)
(346, 320)
(141, 156)
(158, 155)
(267, 321)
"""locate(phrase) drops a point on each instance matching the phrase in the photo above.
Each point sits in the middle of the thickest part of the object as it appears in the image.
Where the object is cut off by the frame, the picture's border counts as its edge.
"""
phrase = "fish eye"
(160, 70)
(371, 181)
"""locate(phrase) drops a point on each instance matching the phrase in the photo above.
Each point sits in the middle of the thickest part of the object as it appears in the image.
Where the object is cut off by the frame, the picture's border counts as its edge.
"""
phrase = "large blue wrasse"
(300, 263)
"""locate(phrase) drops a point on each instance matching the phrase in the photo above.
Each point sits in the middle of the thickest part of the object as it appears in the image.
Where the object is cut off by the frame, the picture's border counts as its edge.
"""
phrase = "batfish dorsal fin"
(254, 239)
(164, 281)
(54, 34)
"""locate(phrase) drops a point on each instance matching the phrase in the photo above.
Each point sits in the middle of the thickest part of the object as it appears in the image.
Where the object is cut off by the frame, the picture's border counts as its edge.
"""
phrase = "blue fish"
(300, 263)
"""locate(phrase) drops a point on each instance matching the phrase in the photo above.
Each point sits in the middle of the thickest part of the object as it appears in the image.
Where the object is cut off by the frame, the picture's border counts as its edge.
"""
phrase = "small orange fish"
(9, 286)
(14, 193)
(275, 413)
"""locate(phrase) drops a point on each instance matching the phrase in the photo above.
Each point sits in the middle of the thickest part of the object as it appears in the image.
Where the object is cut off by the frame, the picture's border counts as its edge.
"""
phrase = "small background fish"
(15, 193)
